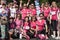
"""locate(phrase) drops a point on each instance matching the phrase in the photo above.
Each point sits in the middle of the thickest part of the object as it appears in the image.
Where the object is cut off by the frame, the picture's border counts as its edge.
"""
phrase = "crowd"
(22, 20)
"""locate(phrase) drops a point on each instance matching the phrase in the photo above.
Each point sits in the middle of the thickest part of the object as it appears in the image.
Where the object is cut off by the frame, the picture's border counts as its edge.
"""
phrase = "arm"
(33, 29)
(58, 15)
(46, 27)
(28, 2)
(20, 3)
(50, 16)
(36, 29)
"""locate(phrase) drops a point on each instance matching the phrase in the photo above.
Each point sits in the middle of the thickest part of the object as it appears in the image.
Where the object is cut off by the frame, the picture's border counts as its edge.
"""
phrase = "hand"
(20, 1)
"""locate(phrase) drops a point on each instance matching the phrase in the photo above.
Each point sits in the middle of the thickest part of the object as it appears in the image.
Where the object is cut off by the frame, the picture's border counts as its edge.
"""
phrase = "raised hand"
(28, 0)
(20, 1)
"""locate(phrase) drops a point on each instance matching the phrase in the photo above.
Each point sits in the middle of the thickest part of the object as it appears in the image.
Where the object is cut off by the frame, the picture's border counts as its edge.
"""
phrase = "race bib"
(12, 14)
(27, 27)
(53, 12)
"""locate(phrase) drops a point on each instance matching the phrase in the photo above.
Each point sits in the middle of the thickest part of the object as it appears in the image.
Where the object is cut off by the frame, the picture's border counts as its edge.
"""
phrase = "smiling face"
(32, 6)
(46, 4)
(41, 16)
(33, 18)
(26, 19)
(54, 4)
(24, 6)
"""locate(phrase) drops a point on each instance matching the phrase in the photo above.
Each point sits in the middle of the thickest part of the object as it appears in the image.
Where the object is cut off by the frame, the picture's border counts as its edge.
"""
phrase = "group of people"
(23, 19)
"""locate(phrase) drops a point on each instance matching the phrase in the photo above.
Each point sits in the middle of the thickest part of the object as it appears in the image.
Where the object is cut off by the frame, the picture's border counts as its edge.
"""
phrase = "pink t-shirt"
(26, 24)
(54, 13)
(18, 23)
(33, 11)
(40, 24)
(33, 25)
(46, 11)
(24, 13)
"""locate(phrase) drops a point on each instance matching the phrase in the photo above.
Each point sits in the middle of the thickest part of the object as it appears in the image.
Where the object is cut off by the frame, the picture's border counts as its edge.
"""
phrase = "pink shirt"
(26, 24)
(18, 23)
(46, 11)
(54, 13)
(33, 25)
(33, 11)
(24, 13)
(40, 24)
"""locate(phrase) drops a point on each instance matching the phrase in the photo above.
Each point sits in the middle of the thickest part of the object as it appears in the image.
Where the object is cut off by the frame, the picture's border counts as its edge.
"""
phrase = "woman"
(40, 29)
(33, 23)
(26, 27)
(18, 21)
(24, 11)
(54, 13)
(12, 11)
(46, 11)
(12, 26)
(32, 9)
(32, 27)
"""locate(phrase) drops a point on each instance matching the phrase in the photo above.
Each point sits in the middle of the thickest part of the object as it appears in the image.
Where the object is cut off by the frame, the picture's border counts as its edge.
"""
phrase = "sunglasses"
(32, 5)
(41, 16)
(24, 6)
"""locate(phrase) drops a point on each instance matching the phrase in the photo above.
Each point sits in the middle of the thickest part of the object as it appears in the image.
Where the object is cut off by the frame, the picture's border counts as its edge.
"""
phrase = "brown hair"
(33, 18)
(20, 17)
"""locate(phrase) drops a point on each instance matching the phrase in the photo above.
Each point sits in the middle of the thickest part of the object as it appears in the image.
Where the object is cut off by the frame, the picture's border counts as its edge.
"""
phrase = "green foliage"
(58, 4)
(43, 1)
(9, 0)
(32, 1)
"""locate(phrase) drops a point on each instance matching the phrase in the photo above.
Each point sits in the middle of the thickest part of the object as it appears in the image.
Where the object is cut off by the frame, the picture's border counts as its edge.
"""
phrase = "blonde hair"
(53, 4)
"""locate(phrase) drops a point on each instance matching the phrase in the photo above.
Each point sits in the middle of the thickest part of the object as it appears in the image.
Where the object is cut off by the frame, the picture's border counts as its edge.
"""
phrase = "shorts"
(41, 32)
(11, 30)
(47, 21)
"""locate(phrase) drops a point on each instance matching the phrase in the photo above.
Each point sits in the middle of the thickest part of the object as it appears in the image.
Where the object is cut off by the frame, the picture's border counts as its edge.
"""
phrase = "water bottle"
(20, 36)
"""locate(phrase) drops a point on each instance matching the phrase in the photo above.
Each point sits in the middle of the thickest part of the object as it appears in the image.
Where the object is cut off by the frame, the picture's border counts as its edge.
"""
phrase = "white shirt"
(12, 12)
